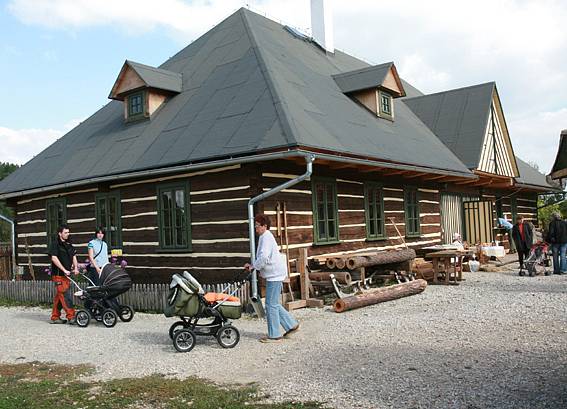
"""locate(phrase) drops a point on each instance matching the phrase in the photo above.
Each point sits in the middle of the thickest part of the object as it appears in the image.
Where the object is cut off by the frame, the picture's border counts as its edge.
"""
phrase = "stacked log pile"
(356, 261)
(379, 295)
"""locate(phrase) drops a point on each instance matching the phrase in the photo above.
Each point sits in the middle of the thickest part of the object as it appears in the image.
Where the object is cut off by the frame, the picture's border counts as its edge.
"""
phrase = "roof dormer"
(374, 87)
(144, 89)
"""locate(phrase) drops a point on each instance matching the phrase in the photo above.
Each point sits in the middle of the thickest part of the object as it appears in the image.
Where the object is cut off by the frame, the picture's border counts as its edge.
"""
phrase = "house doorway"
(452, 216)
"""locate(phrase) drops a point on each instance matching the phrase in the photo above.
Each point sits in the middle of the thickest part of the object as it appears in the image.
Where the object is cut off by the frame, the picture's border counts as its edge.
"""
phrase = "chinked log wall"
(219, 226)
(352, 227)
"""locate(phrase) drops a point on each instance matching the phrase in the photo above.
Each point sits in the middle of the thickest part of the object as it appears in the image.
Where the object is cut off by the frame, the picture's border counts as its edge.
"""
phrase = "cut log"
(380, 295)
(342, 277)
(384, 257)
(330, 263)
(340, 263)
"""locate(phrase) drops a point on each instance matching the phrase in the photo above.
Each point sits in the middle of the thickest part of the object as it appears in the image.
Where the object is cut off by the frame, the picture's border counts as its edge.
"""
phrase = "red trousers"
(63, 298)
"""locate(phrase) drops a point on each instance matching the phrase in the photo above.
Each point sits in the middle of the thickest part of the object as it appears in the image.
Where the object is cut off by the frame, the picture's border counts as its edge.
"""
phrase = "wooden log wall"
(219, 226)
(31, 226)
(352, 227)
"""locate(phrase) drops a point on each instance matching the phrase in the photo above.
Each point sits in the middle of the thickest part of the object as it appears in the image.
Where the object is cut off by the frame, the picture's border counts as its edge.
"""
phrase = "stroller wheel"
(176, 326)
(126, 313)
(184, 340)
(83, 318)
(228, 336)
(109, 318)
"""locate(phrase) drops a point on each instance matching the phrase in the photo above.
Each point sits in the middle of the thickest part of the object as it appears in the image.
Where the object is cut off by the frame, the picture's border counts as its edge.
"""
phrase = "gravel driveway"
(497, 340)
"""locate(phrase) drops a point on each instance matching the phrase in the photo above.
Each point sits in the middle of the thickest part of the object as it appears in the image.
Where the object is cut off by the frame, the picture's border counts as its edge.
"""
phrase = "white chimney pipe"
(322, 24)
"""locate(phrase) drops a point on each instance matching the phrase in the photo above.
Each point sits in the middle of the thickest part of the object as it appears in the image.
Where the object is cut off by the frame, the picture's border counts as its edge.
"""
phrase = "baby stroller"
(188, 300)
(537, 261)
(100, 301)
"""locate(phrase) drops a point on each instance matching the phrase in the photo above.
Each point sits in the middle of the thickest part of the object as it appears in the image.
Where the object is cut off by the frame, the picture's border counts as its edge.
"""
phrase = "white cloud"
(133, 16)
(536, 138)
(21, 145)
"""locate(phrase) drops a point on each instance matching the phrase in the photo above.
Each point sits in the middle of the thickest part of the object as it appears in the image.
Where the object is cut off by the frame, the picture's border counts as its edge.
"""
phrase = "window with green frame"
(374, 211)
(108, 216)
(325, 211)
(385, 103)
(174, 218)
(56, 215)
(411, 202)
(136, 105)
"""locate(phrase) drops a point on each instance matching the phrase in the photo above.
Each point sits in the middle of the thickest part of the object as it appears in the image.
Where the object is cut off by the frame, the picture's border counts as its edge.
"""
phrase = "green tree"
(5, 232)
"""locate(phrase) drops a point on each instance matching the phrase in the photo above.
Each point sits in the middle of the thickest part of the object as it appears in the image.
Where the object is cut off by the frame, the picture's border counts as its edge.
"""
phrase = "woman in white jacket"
(272, 267)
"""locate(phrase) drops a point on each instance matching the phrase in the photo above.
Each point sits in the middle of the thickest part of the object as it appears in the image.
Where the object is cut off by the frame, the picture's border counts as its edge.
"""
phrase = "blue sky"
(59, 58)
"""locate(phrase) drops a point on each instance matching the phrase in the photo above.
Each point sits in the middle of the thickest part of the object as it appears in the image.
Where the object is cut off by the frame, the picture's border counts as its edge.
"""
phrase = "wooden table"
(452, 260)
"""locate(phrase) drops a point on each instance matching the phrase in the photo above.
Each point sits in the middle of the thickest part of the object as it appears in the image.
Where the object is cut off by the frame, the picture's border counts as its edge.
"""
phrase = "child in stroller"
(100, 301)
(537, 261)
(188, 300)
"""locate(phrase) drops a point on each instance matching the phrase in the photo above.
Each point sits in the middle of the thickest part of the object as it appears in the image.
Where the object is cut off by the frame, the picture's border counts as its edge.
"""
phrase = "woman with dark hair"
(272, 267)
(98, 255)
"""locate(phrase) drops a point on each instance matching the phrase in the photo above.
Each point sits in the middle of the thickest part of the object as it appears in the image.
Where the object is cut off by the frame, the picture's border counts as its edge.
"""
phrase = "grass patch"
(45, 386)
(4, 302)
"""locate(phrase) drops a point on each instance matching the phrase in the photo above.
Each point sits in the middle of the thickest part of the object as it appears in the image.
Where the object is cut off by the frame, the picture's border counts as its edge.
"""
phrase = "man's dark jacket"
(527, 242)
(557, 232)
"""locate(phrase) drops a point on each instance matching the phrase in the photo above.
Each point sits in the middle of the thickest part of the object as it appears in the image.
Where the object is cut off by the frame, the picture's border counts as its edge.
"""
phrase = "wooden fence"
(5, 261)
(144, 297)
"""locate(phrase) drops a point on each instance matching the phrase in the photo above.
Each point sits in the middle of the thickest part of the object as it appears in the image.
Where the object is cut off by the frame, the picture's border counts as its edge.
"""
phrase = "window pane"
(330, 212)
(332, 229)
(322, 230)
(180, 198)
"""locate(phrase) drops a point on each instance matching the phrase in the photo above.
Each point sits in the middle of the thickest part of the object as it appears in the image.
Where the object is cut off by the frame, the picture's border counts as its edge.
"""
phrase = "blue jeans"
(276, 315)
(559, 257)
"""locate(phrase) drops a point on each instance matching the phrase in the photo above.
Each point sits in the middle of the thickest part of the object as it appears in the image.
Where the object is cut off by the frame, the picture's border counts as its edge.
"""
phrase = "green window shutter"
(411, 202)
(325, 211)
(108, 216)
(56, 215)
(374, 211)
(174, 217)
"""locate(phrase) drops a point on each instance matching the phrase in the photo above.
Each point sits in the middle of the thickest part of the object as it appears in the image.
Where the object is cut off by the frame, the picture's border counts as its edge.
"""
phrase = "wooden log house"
(169, 165)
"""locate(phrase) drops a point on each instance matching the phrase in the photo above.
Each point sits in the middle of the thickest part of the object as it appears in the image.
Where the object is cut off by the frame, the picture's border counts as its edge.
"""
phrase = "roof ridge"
(156, 69)
(493, 83)
(281, 110)
(362, 70)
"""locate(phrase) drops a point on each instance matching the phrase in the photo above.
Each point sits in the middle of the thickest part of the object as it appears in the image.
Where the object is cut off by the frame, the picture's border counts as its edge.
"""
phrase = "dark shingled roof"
(458, 117)
(532, 177)
(364, 78)
(249, 85)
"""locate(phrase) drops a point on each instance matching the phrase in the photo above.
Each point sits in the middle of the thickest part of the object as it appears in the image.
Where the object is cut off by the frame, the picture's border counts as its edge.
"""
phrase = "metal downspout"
(309, 162)
(14, 268)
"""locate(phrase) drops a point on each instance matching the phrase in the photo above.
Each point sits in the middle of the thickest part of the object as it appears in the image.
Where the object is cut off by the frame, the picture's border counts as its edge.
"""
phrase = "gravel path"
(495, 341)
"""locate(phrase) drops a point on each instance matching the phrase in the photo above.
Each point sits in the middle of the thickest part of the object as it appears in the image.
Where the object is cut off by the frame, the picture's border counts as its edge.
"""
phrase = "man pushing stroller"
(63, 260)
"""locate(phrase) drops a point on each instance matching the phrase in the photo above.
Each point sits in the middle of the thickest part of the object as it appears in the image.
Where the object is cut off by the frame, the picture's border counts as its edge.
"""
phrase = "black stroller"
(188, 301)
(537, 261)
(100, 301)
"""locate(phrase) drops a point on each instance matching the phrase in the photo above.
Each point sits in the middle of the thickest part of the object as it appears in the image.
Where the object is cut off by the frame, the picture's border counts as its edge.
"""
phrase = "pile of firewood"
(355, 261)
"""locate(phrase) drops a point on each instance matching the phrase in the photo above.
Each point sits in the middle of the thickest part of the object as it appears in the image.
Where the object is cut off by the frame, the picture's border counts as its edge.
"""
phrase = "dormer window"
(373, 87)
(135, 105)
(386, 107)
(144, 89)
